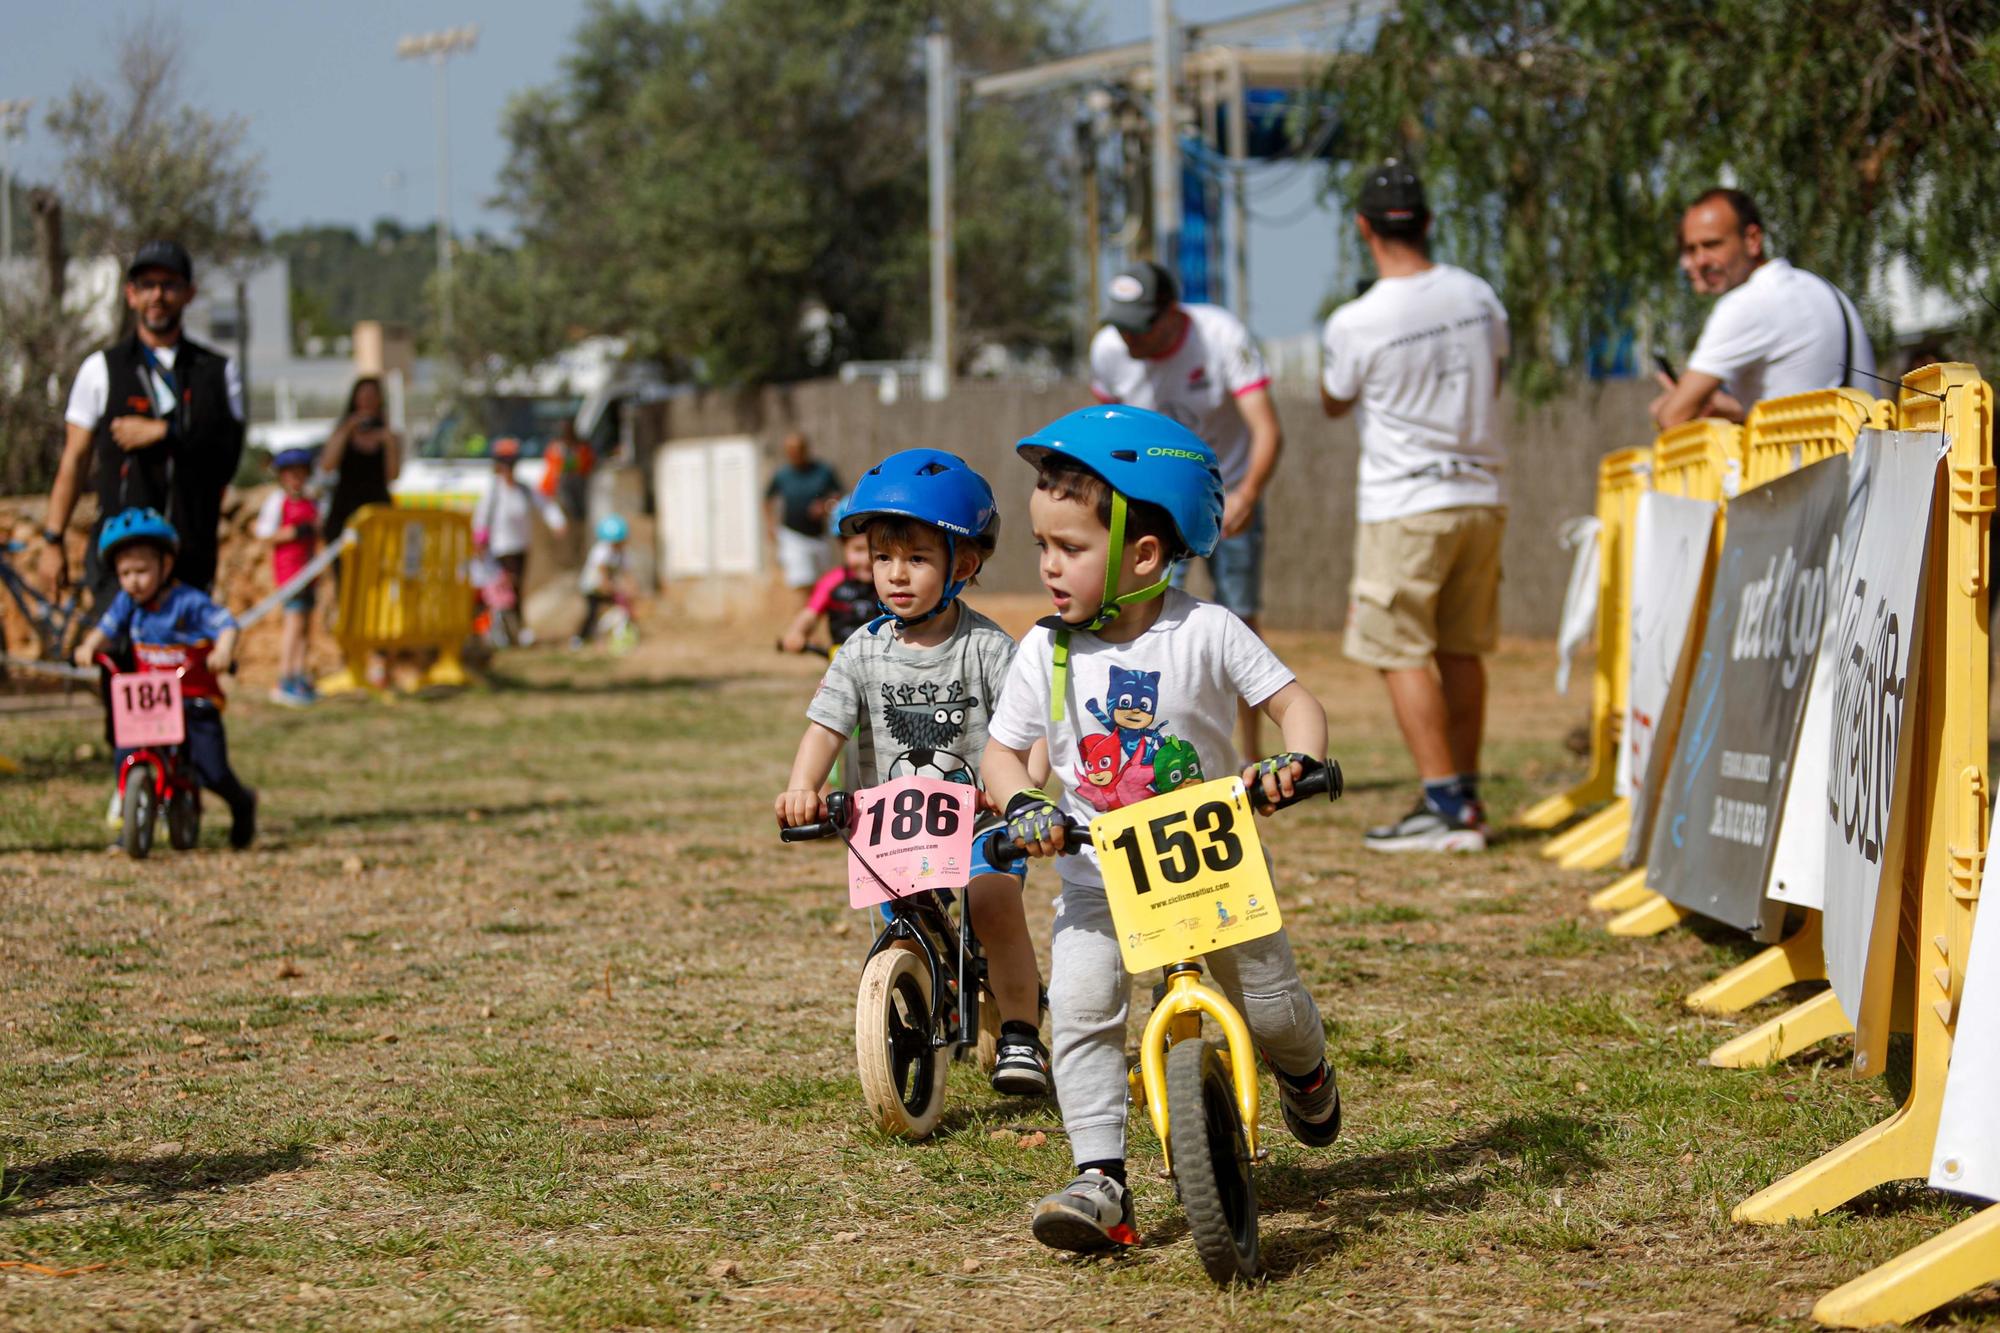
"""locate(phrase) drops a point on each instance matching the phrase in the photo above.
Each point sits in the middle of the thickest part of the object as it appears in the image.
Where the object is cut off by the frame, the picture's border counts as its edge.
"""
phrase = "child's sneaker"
(288, 694)
(243, 822)
(1426, 829)
(114, 814)
(1092, 1212)
(1312, 1113)
(1021, 1065)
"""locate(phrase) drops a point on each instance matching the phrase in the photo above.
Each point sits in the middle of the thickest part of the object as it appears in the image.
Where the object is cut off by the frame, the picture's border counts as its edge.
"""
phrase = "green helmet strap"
(1107, 610)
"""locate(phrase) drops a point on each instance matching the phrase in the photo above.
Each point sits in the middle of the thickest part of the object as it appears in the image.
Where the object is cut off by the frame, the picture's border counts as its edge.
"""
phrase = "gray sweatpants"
(1090, 997)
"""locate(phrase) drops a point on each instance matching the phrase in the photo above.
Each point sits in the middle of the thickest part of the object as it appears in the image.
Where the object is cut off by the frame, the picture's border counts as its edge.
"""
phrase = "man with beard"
(158, 420)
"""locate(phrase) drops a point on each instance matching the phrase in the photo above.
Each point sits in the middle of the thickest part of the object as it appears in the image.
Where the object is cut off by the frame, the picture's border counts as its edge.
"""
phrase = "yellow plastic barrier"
(1782, 436)
(404, 586)
(1943, 853)
(1701, 460)
(1621, 477)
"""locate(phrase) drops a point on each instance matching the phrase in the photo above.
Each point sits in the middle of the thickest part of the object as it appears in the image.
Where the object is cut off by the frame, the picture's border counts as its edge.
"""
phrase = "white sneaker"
(114, 814)
(1428, 830)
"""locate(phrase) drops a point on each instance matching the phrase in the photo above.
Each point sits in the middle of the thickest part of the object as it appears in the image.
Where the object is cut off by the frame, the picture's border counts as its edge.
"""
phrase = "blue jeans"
(1237, 568)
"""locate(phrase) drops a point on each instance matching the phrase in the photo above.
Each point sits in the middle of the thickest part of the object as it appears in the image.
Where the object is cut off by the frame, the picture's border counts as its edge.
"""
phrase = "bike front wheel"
(1212, 1161)
(142, 807)
(902, 1071)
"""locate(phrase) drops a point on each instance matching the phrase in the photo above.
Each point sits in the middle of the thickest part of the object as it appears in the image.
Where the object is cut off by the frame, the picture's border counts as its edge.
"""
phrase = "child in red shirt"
(290, 521)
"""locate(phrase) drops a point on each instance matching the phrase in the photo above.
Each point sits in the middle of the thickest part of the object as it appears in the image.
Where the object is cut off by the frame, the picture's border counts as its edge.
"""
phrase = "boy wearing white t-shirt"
(1134, 688)
(1417, 359)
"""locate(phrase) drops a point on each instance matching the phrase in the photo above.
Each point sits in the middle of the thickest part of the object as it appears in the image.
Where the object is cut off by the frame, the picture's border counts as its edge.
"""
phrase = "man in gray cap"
(159, 419)
(1417, 360)
(1197, 364)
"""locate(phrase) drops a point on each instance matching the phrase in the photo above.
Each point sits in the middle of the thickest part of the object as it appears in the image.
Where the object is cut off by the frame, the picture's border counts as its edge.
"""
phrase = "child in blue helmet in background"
(604, 581)
(914, 688)
(173, 627)
(1133, 689)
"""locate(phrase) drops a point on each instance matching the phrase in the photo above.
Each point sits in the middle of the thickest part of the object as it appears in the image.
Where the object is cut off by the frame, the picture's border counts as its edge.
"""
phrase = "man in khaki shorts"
(1417, 360)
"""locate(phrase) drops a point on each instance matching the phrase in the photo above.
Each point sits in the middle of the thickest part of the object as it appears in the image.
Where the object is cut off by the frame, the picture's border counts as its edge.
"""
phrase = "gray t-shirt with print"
(922, 712)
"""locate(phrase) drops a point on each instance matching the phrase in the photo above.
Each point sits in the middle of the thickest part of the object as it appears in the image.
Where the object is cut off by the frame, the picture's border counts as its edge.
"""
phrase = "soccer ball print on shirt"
(1134, 756)
(927, 720)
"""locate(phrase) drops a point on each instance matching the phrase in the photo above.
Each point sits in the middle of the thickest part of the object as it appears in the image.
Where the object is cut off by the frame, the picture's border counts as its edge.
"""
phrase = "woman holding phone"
(362, 455)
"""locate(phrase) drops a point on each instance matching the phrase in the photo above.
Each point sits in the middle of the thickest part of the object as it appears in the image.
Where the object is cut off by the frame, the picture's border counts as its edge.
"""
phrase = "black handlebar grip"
(1317, 779)
(839, 814)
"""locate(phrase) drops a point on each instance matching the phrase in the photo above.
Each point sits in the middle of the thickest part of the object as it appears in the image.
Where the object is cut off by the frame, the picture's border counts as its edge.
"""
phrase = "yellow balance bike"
(1185, 875)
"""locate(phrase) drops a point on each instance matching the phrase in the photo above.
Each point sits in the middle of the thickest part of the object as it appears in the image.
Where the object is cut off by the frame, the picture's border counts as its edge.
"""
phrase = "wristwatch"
(53, 536)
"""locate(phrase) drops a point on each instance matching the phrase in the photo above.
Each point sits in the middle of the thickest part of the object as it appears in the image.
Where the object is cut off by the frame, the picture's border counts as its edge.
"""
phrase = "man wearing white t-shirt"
(1776, 331)
(1417, 360)
(1199, 365)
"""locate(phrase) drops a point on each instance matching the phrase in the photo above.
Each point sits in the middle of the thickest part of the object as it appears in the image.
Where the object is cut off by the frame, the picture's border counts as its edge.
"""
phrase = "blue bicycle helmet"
(929, 486)
(1142, 456)
(841, 510)
(292, 458)
(136, 525)
(613, 528)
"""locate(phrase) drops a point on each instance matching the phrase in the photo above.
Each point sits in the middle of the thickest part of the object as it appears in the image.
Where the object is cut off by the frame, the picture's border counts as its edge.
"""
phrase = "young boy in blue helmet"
(174, 627)
(1128, 672)
(915, 688)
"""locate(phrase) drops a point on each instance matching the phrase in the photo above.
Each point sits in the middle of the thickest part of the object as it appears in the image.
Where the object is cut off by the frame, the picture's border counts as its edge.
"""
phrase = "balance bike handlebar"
(839, 815)
(1318, 779)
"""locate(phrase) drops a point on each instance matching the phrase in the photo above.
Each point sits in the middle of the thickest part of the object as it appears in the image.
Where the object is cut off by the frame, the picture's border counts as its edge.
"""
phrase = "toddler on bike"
(174, 627)
(844, 595)
(918, 683)
(1127, 683)
(606, 581)
(289, 520)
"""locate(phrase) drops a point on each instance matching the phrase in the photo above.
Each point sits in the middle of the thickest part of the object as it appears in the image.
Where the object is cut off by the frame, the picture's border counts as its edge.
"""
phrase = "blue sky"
(347, 131)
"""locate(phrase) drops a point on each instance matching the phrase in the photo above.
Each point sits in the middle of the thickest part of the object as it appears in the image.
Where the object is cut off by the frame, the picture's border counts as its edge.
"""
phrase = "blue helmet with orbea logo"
(137, 525)
(1142, 456)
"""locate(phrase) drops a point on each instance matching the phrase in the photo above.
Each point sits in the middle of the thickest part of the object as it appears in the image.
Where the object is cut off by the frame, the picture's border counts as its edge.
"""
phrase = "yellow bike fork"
(1177, 1017)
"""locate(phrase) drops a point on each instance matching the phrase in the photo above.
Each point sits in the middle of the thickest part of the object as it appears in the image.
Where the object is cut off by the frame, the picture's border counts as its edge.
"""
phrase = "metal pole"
(1239, 209)
(443, 205)
(941, 109)
(1086, 136)
(1166, 144)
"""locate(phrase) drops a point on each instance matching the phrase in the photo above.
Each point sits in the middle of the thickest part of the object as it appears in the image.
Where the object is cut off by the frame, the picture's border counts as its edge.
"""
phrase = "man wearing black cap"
(1197, 364)
(158, 420)
(1417, 359)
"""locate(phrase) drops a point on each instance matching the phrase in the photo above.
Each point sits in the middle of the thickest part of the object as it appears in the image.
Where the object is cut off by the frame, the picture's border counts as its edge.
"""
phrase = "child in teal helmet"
(605, 582)
(915, 689)
(1132, 686)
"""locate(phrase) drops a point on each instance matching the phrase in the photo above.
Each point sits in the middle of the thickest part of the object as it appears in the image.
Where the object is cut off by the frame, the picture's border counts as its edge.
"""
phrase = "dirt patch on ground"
(520, 1013)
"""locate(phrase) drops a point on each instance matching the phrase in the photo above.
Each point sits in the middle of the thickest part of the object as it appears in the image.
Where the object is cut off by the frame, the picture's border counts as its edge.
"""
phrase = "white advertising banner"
(1798, 864)
(1967, 1159)
(1874, 662)
(1669, 557)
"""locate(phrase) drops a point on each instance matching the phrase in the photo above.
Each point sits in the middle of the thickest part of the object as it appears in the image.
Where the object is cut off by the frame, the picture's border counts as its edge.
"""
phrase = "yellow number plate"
(1185, 874)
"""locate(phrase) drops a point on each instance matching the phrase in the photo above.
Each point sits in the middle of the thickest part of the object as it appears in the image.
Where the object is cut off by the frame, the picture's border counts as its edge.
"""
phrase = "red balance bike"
(147, 721)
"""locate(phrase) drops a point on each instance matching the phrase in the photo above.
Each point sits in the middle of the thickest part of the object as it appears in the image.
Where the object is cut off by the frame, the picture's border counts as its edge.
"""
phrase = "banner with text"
(1875, 661)
(1670, 542)
(1798, 863)
(1720, 802)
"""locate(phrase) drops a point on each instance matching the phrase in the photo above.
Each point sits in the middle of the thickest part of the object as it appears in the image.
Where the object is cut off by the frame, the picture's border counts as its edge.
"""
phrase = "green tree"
(704, 175)
(140, 163)
(1562, 138)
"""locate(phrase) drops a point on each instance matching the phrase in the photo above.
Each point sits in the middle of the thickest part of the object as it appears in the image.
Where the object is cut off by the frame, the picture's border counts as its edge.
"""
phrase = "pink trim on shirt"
(1252, 388)
(1187, 326)
(1100, 395)
(821, 596)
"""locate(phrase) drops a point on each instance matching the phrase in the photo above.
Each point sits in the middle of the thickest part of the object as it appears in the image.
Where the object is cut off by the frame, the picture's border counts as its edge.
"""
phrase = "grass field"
(521, 1016)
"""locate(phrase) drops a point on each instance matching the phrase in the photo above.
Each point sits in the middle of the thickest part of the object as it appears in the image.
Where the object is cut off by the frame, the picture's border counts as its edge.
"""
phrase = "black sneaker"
(1091, 1213)
(1426, 829)
(1312, 1113)
(1021, 1066)
(243, 823)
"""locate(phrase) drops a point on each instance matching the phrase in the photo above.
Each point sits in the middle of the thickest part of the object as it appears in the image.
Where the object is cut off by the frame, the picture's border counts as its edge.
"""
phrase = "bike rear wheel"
(142, 807)
(1212, 1161)
(902, 1071)
(184, 819)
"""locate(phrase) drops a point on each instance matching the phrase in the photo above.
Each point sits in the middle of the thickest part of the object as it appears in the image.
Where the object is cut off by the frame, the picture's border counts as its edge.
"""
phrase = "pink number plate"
(914, 835)
(146, 709)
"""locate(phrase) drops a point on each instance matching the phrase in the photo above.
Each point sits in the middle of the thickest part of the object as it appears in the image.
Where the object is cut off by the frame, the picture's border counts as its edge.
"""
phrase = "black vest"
(183, 475)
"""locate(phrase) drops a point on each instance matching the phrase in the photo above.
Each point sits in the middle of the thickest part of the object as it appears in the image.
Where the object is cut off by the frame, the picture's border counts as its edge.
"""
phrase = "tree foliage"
(1562, 138)
(140, 163)
(340, 275)
(704, 175)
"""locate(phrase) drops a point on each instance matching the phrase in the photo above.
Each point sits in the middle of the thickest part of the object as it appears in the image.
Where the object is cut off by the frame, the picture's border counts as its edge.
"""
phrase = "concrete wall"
(1310, 506)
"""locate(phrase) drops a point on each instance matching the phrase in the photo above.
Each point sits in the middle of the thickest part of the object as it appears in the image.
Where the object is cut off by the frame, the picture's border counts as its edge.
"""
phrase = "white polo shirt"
(1782, 332)
(1196, 383)
(1419, 358)
(90, 391)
